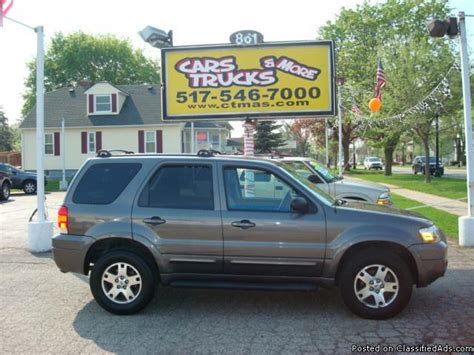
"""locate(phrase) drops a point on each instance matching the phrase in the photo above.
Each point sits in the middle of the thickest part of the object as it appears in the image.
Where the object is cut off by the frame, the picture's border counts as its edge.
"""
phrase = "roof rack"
(108, 153)
(207, 153)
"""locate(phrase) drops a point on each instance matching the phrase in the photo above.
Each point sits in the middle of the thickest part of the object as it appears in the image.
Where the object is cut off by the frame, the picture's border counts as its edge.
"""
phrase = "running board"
(245, 285)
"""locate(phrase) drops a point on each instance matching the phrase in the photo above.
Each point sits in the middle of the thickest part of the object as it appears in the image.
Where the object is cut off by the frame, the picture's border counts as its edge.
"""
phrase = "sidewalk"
(457, 207)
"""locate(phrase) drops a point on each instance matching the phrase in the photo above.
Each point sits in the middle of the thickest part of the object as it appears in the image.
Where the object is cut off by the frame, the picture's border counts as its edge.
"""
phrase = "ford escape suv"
(133, 221)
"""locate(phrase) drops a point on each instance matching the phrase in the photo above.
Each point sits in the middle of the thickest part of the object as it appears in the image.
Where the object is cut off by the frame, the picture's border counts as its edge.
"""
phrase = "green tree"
(7, 138)
(394, 31)
(81, 56)
(267, 137)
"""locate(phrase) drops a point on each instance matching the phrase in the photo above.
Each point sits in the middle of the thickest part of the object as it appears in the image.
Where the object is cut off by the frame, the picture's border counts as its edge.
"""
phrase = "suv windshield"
(293, 172)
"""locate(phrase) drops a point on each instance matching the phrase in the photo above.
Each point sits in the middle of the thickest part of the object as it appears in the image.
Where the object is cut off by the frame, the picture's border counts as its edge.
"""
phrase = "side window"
(103, 183)
(181, 187)
(256, 190)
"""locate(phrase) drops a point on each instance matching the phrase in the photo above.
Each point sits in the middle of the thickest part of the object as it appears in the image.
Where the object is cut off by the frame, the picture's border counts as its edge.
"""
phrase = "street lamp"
(40, 231)
(439, 28)
(156, 37)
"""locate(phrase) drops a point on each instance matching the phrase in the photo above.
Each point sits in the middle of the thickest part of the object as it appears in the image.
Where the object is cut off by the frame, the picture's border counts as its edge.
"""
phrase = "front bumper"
(431, 261)
(69, 251)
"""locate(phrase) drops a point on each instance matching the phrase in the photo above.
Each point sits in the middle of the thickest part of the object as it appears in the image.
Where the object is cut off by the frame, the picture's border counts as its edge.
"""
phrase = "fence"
(12, 158)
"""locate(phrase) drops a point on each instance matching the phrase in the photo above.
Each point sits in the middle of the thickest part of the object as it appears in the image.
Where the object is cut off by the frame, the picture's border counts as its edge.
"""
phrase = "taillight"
(62, 220)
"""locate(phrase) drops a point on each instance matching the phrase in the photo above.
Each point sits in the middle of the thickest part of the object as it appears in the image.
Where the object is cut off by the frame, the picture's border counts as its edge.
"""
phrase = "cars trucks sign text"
(234, 82)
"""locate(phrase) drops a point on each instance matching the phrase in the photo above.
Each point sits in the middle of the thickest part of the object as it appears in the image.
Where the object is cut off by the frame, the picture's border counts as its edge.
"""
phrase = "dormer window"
(103, 103)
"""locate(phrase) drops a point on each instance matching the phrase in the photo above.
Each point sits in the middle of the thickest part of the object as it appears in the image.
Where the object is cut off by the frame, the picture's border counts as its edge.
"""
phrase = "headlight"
(430, 234)
(384, 199)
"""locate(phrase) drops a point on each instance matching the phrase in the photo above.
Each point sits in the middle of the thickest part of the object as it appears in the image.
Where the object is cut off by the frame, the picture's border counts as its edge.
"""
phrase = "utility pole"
(340, 82)
(63, 182)
(326, 134)
(466, 223)
(437, 172)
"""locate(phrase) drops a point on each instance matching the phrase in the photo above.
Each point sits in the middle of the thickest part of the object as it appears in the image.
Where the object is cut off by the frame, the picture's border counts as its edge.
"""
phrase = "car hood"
(392, 211)
(356, 184)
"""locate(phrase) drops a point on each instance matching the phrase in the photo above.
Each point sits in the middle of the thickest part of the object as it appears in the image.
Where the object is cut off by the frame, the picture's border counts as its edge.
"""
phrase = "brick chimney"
(86, 84)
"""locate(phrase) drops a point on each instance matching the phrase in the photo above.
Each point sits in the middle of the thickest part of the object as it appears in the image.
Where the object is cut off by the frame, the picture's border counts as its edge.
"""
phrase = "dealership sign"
(235, 82)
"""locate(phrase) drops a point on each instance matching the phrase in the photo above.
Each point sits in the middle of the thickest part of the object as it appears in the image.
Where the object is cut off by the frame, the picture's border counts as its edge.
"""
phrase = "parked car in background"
(21, 179)
(419, 166)
(5, 183)
(340, 187)
(373, 163)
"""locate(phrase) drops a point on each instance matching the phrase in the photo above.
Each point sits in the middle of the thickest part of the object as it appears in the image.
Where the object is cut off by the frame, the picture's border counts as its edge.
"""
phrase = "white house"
(105, 116)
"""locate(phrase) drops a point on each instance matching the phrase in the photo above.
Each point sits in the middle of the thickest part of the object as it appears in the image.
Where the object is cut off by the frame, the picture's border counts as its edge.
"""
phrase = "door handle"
(243, 224)
(155, 220)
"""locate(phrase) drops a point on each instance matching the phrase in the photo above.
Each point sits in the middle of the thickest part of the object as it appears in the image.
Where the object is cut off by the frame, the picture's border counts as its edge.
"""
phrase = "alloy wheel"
(121, 283)
(376, 286)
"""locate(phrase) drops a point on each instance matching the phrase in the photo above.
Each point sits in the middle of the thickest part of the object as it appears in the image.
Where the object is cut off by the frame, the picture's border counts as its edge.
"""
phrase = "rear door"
(262, 235)
(179, 207)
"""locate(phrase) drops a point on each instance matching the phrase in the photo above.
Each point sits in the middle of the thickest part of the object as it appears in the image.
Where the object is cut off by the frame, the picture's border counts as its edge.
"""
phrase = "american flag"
(380, 83)
(355, 108)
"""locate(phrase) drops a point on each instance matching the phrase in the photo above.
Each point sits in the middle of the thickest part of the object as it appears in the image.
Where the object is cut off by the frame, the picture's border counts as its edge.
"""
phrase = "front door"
(180, 208)
(262, 235)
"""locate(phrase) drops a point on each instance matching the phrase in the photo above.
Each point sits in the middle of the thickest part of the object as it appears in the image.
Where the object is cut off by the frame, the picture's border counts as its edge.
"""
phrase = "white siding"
(112, 138)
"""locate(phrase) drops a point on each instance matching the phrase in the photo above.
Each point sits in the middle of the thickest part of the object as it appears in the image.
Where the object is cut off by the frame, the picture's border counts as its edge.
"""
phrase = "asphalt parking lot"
(45, 311)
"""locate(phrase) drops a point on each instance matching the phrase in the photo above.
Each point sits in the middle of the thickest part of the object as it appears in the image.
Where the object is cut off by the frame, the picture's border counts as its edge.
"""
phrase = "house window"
(48, 144)
(103, 103)
(91, 142)
(150, 142)
(215, 141)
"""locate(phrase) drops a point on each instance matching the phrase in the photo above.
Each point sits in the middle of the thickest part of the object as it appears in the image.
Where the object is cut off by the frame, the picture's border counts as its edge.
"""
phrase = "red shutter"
(91, 103)
(159, 141)
(57, 148)
(141, 142)
(114, 102)
(84, 142)
(98, 141)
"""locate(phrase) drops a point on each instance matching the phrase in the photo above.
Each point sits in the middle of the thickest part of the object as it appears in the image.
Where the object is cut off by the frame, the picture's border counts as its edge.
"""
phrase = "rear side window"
(103, 183)
(181, 187)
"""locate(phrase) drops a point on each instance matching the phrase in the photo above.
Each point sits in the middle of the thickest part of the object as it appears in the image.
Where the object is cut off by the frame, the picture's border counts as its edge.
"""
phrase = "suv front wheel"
(122, 282)
(376, 284)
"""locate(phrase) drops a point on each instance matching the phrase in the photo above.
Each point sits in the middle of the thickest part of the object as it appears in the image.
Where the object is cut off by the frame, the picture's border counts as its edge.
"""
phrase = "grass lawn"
(53, 185)
(446, 221)
(440, 186)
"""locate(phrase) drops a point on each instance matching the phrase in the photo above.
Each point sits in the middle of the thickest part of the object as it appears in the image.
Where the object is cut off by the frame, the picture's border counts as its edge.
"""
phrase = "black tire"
(29, 187)
(357, 262)
(5, 191)
(148, 282)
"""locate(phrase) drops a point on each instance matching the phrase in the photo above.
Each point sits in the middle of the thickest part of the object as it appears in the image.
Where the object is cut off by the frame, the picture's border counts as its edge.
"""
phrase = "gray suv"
(134, 221)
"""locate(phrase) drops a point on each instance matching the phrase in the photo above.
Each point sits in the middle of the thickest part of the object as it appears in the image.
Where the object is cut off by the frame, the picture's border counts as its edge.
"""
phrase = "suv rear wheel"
(122, 282)
(376, 284)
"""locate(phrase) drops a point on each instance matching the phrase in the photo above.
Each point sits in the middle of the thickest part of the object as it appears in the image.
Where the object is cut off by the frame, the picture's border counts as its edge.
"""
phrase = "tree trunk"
(426, 145)
(345, 148)
(388, 152)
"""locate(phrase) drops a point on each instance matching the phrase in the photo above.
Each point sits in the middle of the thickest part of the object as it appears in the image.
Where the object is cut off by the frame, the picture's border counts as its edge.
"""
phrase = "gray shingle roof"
(143, 106)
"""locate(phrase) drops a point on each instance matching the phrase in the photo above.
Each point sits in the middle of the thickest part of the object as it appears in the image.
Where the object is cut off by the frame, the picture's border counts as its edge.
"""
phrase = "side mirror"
(315, 179)
(300, 205)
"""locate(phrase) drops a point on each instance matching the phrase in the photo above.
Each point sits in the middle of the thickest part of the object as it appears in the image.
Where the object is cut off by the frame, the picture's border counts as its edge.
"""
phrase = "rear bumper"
(431, 261)
(69, 251)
